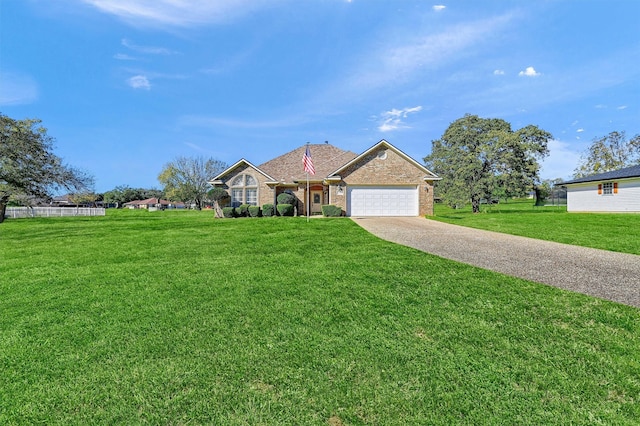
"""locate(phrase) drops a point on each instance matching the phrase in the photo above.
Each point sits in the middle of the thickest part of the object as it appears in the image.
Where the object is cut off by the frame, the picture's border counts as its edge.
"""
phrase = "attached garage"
(382, 200)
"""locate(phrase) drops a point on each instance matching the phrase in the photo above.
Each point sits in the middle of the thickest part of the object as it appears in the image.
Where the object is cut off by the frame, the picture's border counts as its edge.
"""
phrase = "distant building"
(67, 201)
(615, 191)
(153, 203)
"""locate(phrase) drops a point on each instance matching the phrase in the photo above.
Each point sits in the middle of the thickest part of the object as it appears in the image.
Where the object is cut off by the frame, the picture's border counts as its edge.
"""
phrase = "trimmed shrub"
(268, 210)
(286, 198)
(243, 210)
(285, 209)
(228, 212)
(254, 211)
(329, 210)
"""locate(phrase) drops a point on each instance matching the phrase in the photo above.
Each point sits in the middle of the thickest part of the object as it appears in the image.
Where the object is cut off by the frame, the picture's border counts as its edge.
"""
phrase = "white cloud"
(396, 63)
(195, 147)
(562, 160)
(17, 89)
(498, 72)
(393, 120)
(139, 82)
(621, 107)
(151, 50)
(439, 7)
(580, 130)
(123, 57)
(529, 72)
(218, 122)
(177, 13)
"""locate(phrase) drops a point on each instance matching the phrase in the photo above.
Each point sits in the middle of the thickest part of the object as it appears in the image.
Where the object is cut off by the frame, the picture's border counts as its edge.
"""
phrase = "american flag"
(308, 163)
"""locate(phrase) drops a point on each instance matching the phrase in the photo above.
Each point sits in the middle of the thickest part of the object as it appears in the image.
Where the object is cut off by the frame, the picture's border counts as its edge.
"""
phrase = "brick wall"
(384, 167)
(265, 193)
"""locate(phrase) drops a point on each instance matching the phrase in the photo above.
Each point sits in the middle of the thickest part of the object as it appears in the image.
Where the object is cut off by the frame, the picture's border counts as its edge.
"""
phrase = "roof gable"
(328, 161)
(235, 165)
(429, 174)
(627, 172)
(325, 157)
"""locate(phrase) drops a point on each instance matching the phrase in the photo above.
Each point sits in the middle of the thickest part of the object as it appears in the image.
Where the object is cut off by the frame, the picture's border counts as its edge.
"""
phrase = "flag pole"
(308, 195)
(308, 198)
(308, 169)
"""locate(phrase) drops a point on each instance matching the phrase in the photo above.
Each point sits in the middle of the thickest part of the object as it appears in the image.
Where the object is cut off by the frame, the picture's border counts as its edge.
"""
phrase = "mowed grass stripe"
(174, 317)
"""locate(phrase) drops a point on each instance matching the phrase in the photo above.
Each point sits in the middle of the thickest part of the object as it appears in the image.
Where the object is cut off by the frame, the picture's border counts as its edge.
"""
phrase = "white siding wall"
(584, 197)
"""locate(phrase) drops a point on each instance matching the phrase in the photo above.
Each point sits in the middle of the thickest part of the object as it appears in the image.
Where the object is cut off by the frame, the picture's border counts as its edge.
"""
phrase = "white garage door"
(382, 200)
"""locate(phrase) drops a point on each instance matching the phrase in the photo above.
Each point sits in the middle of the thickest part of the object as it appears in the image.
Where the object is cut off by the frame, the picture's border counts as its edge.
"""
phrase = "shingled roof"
(627, 172)
(326, 158)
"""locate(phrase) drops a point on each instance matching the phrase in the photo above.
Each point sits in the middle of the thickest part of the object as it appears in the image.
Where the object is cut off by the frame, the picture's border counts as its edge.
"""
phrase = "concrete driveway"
(600, 273)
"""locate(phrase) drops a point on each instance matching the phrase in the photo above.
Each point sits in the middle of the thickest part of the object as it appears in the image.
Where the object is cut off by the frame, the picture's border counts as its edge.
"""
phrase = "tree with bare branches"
(187, 179)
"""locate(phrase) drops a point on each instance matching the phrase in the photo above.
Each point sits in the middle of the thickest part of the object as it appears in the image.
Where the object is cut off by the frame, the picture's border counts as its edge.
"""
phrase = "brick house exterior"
(382, 181)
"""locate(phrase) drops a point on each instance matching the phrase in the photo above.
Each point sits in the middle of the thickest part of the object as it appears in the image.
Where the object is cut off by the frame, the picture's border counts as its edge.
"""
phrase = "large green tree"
(478, 158)
(609, 153)
(28, 166)
(187, 179)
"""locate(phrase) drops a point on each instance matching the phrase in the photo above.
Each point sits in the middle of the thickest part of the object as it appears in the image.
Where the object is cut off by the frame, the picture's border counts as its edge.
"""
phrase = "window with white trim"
(607, 188)
(244, 190)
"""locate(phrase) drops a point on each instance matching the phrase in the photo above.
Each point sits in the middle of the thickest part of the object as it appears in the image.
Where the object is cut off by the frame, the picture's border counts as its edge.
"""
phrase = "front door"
(316, 201)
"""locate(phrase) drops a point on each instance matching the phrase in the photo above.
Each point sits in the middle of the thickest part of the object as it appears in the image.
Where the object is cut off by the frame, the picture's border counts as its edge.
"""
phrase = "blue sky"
(127, 85)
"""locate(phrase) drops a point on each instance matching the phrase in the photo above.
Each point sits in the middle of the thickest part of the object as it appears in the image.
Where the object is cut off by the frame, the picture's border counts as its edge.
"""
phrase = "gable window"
(244, 190)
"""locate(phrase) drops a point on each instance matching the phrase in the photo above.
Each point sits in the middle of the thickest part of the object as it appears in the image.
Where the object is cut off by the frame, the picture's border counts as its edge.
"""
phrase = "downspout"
(275, 199)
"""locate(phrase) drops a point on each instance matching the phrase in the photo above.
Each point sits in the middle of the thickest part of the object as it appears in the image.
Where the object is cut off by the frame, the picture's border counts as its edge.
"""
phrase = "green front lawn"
(607, 231)
(175, 318)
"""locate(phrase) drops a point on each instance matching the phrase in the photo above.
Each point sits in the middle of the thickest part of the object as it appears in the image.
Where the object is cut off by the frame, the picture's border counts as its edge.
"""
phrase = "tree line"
(31, 172)
(478, 159)
(484, 159)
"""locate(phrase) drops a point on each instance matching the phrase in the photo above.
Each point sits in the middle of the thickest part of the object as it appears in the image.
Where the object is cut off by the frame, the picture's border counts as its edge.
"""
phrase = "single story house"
(382, 181)
(153, 203)
(615, 191)
(68, 201)
(62, 201)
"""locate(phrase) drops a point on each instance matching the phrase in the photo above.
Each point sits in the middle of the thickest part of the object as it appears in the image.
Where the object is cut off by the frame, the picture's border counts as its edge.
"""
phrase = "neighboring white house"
(616, 191)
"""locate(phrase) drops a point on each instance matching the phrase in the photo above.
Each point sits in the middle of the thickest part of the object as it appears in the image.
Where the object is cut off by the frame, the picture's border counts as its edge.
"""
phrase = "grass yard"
(607, 231)
(176, 318)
